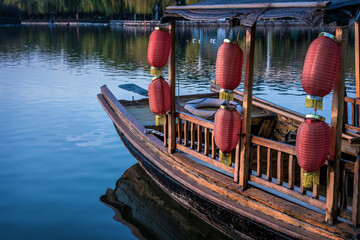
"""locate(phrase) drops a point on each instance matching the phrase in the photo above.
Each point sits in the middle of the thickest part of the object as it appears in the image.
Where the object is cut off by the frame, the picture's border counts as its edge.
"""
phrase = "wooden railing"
(353, 121)
(288, 173)
(272, 165)
(195, 137)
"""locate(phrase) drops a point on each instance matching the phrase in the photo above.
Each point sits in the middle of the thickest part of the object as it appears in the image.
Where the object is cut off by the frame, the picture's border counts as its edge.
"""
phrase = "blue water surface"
(59, 151)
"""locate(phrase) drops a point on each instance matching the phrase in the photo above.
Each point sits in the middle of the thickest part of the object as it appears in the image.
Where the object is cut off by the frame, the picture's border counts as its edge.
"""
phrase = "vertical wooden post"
(337, 110)
(357, 58)
(246, 121)
(171, 124)
(356, 200)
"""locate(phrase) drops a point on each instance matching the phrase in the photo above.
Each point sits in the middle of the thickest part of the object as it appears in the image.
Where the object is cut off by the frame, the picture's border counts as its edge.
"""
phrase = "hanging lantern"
(321, 67)
(158, 50)
(227, 128)
(159, 99)
(229, 63)
(312, 147)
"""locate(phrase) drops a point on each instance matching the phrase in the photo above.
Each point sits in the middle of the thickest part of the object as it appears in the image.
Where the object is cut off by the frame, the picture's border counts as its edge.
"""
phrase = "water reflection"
(150, 213)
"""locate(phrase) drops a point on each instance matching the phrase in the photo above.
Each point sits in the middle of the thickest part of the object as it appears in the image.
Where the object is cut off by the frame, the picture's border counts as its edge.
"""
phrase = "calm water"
(59, 151)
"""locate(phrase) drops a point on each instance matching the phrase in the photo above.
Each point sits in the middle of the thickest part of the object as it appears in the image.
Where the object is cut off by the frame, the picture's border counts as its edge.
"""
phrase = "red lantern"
(321, 67)
(227, 128)
(159, 99)
(229, 63)
(159, 50)
(312, 147)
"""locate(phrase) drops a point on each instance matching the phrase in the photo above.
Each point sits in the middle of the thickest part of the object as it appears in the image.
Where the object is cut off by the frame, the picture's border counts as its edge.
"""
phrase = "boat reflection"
(150, 213)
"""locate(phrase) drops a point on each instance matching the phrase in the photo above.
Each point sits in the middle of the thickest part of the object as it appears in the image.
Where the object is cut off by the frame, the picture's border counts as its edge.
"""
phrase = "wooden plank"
(196, 120)
(357, 58)
(337, 111)
(302, 197)
(258, 159)
(344, 189)
(282, 147)
(302, 189)
(213, 146)
(192, 135)
(292, 163)
(205, 158)
(314, 4)
(353, 128)
(179, 126)
(356, 196)
(269, 165)
(315, 189)
(186, 133)
(206, 140)
(246, 121)
(166, 131)
(280, 172)
(199, 138)
(237, 162)
(172, 126)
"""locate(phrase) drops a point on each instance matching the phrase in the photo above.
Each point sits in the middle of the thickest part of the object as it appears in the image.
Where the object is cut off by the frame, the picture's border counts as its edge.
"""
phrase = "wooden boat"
(261, 194)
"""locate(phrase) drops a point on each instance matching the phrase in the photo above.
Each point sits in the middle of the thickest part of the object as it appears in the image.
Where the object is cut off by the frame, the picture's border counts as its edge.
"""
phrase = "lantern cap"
(162, 29)
(329, 35)
(231, 42)
(229, 107)
(313, 116)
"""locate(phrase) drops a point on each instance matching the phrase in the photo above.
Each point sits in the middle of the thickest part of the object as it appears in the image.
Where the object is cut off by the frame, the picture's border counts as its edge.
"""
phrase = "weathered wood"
(213, 146)
(337, 111)
(206, 140)
(344, 189)
(291, 181)
(192, 135)
(302, 189)
(282, 147)
(356, 196)
(186, 133)
(179, 126)
(195, 119)
(246, 121)
(166, 131)
(357, 58)
(314, 4)
(302, 197)
(280, 172)
(171, 124)
(353, 128)
(269, 165)
(258, 160)
(315, 189)
(199, 138)
(237, 162)
(205, 158)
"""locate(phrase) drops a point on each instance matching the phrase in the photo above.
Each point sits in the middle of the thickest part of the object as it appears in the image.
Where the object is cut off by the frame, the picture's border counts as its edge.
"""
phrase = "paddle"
(134, 88)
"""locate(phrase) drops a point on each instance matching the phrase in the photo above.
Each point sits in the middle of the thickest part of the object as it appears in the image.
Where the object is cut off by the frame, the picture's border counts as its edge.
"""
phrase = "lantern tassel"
(154, 71)
(160, 120)
(310, 178)
(225, 158)
(314, 102)
(226, 95)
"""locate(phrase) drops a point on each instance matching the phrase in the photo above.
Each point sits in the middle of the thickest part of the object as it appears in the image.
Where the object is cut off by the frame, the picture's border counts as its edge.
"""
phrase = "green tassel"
(155, 72)
(310, 178)
(160, 120)
(226, 95)
(314, 102)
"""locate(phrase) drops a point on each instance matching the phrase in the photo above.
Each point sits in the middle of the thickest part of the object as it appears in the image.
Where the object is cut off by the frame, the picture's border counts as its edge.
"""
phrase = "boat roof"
(248, 12)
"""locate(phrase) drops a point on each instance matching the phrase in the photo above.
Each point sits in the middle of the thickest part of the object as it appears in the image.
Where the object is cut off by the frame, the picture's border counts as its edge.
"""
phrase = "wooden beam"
(332, 191)
(246, 121)
(357, 58)
(356, 200)
(315, 4)
(171, 124)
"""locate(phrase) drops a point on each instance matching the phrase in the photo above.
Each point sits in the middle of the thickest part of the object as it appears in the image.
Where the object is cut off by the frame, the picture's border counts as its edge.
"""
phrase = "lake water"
(59, 151)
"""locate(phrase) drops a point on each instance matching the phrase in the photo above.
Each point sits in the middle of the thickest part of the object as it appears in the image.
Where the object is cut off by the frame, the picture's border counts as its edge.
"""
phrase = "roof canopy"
(250, 11)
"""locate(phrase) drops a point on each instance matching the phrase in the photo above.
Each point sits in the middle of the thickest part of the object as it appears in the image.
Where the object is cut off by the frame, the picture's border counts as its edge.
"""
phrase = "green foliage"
(107, 8)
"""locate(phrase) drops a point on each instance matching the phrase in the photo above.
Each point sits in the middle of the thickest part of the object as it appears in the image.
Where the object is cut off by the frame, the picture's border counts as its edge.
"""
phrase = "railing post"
(337, 111)
(357, 58)
(356, 200)
(246, 121)
(171, 124)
